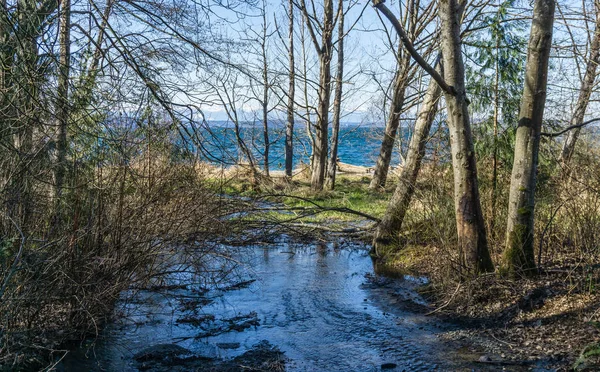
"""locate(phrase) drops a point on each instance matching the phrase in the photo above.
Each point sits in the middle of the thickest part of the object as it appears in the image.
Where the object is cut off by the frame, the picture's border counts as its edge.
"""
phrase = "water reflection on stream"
(312, 301)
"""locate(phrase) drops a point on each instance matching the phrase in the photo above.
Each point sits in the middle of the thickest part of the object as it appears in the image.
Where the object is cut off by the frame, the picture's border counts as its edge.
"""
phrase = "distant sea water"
(358, 144)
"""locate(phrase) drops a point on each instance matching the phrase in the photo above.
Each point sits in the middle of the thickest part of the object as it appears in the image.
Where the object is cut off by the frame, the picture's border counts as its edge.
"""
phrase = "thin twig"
(556, 134)
(16, 260)
(322, 208)
(447, 302)
(378, 4)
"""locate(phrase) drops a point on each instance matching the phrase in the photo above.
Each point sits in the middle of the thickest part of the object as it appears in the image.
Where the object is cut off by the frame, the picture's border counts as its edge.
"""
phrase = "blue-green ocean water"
(358, 144)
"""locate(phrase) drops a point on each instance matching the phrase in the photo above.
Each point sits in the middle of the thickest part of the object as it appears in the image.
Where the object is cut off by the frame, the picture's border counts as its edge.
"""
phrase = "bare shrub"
(122, 222)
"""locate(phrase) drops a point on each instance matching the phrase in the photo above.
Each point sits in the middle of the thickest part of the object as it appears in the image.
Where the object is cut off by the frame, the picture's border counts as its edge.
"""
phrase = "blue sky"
(369, 63)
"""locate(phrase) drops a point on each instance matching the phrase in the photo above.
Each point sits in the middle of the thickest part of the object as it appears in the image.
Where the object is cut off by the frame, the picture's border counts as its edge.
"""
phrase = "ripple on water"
(310, 301)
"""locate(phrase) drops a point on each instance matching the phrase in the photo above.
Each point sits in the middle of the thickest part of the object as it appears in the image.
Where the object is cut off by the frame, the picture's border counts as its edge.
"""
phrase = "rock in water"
(228, 345)
(485, 359)
(160, 352)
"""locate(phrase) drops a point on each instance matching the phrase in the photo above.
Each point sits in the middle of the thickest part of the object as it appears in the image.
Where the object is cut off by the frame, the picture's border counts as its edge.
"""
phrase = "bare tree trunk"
(243, 148)
(62, 103)
(289, 129)
(87, 81)
(337, 102)
(324, 50)
(25, 77)
(265, 97)
(472, 240)
(384, 159)
(391, 223)
(4, 53)
(495, 143)
(265, 120)
(416, 19)
(470, 225)
(308, 120)
(6, 56)
(586, 90)
(519, 253)
(322, 128)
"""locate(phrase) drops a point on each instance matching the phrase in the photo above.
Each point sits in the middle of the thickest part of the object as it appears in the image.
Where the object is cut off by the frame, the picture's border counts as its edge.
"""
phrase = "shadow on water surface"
(321, 304)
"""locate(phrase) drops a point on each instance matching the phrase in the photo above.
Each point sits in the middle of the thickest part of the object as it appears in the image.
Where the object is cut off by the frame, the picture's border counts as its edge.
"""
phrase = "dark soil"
(261, 357)
(545, 321)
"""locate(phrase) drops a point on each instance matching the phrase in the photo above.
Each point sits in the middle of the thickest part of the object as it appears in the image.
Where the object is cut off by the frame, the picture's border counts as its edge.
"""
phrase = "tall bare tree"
(384, 159)
(519, 252)
(266, 87)
(391, 223)
(587, 84)
(472, 239)
(416, 17)
(88, 78)
(4, 52)
(470, 225)
(308, 109)
(324, 50)
(337, 101)
(62, 101)
(289, 128)
(25, 79)
(6, 55)
(226, 86)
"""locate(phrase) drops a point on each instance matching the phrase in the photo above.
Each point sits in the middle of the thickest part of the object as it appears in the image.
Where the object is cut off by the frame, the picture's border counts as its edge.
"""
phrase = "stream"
(321, 304)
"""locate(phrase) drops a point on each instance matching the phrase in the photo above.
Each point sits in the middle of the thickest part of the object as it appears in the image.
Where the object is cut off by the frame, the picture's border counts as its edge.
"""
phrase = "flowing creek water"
(321, 304)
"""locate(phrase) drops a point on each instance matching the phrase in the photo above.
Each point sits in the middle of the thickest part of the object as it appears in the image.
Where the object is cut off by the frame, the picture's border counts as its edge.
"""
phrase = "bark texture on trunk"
(265, 97)
(62, 102)
(337, 102)
(586, 90)
(4, 54)
(25, 77)
(415, 18)
(472, 239)
(495, 118)
(519, 252)
(308, 124)
(391, 223)
(289, 128)
(384, 159)
(319, 161)
(6, 57)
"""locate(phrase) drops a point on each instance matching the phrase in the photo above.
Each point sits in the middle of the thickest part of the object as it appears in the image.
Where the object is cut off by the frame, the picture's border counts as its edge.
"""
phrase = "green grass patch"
(350, 192)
